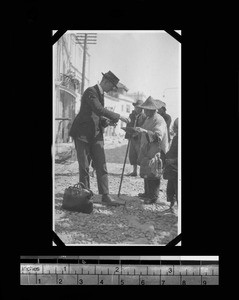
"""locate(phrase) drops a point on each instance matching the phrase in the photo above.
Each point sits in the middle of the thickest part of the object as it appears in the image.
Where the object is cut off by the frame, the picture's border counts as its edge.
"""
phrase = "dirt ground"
(132, 224)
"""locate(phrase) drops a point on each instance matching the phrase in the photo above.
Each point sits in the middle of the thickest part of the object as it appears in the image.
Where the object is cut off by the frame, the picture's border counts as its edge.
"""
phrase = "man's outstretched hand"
(123, 119)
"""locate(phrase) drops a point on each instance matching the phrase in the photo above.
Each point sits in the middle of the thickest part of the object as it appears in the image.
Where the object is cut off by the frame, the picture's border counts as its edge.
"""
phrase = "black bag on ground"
(78, 198)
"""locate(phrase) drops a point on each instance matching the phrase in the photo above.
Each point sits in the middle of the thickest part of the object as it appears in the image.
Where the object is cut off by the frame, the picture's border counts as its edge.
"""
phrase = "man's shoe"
(170, 210)
(107, 200)
(173, 210)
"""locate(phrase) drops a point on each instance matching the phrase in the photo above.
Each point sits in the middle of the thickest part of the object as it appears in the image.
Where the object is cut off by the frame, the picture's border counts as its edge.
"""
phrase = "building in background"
(138, 96)
(68, 57)
(68, 64)
(120, 102)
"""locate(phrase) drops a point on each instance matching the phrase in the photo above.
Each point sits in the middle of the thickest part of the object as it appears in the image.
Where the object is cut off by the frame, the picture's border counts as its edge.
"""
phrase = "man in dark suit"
(87, 132)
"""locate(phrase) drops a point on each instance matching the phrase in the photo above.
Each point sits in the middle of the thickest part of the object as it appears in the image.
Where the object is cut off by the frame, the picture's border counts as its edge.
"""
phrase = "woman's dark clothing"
(171, 171)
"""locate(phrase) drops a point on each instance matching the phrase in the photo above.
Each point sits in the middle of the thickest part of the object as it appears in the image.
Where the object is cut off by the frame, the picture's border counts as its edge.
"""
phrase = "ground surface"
(135, 223)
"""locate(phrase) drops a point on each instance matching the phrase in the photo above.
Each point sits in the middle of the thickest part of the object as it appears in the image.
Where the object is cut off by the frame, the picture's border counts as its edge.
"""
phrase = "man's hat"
(111, 77)
(160, 103)
(149, 104)
(138, 103)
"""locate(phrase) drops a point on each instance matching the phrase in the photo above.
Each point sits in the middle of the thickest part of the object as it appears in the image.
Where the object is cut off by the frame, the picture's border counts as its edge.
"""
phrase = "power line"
(86, 38)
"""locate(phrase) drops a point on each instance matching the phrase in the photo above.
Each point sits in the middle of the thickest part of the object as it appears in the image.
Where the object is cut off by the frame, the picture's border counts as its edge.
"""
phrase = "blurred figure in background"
(167, 118)
(171, 169)
(137, 118)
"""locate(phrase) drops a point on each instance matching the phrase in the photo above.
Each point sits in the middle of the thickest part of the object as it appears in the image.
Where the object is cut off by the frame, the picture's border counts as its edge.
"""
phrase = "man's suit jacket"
(88, 123)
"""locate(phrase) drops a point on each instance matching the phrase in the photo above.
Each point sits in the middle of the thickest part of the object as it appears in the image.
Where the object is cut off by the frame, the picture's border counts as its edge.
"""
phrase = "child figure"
(171, 169)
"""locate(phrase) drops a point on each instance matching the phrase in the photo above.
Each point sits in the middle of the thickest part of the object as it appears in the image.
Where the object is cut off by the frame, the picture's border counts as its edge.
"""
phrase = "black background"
(209, 110)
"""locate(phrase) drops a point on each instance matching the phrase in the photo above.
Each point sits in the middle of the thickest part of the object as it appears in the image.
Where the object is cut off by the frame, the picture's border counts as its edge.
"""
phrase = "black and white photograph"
(116, 137)
(123, 147)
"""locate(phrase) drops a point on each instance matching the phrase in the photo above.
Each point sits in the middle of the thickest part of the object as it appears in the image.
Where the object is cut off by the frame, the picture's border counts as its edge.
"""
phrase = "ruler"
(111, 270)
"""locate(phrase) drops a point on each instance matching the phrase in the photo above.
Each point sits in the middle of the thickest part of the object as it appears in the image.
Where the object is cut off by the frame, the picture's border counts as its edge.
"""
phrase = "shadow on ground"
(134, 223)
(67, 174)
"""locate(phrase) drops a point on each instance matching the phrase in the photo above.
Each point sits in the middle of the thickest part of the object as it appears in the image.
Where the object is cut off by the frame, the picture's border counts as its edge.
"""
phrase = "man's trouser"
(134, 151)
(95, 151)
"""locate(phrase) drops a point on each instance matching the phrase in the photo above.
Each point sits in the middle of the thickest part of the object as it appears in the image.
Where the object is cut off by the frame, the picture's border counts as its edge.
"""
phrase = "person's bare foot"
(133, 174)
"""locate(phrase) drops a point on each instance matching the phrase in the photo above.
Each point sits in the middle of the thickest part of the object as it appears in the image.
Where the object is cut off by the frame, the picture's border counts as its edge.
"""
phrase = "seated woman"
(153, 140)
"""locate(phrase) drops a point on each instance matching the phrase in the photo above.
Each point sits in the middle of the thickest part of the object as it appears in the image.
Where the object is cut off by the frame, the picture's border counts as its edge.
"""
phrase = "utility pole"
(85, 39)
(83, 66)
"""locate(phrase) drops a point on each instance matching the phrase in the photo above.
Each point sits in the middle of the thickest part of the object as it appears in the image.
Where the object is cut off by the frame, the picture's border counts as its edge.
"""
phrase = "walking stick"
(135, 121)
(122, 175)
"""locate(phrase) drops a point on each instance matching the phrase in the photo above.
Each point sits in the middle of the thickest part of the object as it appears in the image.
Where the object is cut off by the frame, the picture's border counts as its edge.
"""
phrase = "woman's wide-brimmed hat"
(111, 77)
(160, 103)
(138, 103)
(149, 104)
